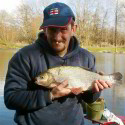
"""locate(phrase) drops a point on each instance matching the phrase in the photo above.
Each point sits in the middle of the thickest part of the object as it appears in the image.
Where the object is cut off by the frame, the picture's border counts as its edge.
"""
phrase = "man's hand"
(77, 91)
(99, 85)
(60, 90)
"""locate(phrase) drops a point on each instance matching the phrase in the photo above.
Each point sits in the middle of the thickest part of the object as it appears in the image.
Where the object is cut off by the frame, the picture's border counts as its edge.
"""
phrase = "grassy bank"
(106, 49)
(11, 45)
(4, 45)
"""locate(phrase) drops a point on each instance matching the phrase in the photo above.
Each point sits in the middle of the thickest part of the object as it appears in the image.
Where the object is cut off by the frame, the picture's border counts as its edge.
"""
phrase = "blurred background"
(100, 23)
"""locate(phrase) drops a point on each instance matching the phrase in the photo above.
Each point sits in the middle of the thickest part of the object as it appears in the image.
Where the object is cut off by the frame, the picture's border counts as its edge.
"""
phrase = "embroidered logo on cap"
(54, 11)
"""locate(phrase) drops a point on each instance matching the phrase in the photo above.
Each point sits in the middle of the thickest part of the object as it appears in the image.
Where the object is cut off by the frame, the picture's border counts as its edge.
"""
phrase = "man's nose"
(57, 35)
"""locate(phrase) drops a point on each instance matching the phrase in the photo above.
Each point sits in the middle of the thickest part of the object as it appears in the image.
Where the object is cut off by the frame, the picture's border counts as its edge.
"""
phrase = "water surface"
(106, 62)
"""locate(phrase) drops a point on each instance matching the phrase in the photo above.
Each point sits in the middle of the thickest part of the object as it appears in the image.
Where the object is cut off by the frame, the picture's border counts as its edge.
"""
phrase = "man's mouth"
(58, 43)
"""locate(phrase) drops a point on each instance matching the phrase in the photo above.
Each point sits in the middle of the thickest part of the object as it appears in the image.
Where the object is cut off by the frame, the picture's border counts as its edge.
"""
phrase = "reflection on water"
(114, 97)
(109, 63)
(106, 62)
(1, 87)
(6, 116)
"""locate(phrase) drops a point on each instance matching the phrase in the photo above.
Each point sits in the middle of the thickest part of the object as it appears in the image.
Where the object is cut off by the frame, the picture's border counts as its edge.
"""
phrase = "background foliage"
(98, 24)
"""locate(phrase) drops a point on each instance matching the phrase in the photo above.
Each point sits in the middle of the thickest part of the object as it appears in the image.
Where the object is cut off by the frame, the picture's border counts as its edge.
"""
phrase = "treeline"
(97, 25)
(20, 27)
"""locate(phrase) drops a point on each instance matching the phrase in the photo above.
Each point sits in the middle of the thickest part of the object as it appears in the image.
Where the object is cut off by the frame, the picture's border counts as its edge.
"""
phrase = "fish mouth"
(36, 81)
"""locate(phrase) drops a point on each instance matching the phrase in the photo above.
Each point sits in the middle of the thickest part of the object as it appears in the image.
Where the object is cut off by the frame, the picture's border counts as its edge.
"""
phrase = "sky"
(9, 5)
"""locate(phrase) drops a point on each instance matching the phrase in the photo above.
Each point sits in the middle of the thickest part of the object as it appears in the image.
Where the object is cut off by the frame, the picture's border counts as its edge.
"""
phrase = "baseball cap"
(57, 15)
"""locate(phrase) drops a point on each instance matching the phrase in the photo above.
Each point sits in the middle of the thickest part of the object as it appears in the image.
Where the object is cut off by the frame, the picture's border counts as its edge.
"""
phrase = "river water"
(106, 62)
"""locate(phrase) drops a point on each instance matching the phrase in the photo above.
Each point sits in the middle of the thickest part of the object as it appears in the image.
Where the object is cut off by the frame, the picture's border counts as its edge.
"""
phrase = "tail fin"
(117, 76)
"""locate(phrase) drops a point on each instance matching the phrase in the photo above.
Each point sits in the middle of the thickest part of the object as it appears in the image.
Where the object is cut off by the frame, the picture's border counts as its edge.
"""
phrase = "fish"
(77, 77)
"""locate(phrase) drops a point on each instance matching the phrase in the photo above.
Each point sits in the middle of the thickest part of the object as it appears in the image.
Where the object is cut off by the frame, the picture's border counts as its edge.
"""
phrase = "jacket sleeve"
(90, 97)
(17, 96)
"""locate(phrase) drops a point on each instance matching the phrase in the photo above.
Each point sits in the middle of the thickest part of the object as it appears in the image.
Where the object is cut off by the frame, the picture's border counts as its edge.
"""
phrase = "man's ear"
(74, 29)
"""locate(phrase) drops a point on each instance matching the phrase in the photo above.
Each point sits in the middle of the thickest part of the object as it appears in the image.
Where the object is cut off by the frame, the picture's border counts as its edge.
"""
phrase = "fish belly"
(76, 77)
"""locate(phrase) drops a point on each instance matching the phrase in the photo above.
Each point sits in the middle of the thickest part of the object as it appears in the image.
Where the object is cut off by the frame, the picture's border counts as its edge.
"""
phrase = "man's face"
(59, 38)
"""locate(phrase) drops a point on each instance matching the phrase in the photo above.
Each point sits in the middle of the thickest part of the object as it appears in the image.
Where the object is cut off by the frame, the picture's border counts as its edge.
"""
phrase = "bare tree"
(7, 28)
(95, 22)
(25, 17)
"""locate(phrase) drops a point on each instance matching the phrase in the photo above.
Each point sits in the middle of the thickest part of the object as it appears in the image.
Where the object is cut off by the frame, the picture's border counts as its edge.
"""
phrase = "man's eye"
(64, 29)
(52, 29)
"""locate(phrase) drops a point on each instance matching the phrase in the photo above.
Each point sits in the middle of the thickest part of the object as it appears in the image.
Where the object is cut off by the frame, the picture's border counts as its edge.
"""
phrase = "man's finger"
(53, 85)
(104, 84)
(64, 84)
(65, 91)
(95, 89)
(99, 85)
(109, 84)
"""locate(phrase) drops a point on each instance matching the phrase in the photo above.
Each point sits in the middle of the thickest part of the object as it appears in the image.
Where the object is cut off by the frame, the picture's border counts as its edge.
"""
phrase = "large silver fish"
(76, 76)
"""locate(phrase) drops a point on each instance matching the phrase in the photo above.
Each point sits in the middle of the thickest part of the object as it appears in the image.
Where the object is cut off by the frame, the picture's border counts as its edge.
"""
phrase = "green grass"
(106, 49)
(14, 45)
(11, 45)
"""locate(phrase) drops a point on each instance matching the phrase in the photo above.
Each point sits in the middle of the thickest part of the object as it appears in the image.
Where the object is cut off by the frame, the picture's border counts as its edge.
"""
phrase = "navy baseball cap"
(57, 15)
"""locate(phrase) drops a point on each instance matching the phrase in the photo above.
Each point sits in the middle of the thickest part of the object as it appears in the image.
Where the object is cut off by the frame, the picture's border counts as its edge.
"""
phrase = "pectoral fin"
(77, 91)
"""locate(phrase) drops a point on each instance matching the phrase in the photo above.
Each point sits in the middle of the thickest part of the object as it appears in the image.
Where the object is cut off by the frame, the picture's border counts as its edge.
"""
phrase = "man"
(56, 46)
